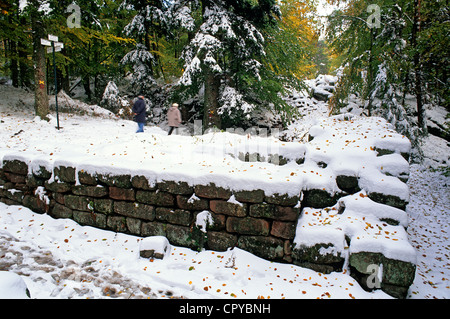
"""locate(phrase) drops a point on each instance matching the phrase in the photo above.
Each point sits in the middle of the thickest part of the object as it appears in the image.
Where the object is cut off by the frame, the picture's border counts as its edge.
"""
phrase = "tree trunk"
(212, 84)
(40, 86)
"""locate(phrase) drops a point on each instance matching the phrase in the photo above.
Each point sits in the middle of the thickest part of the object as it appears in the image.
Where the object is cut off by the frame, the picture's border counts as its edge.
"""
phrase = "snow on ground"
(60, 259)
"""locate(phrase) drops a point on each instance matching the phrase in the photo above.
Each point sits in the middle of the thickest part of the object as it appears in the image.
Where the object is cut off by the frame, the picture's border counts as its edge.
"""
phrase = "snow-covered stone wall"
(346, 214)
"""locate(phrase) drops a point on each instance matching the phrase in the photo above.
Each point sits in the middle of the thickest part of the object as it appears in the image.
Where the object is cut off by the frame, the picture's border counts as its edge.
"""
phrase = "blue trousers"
(140, 128)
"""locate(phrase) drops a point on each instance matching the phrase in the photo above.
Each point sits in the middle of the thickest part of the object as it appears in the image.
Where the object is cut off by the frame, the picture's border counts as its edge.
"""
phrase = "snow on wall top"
(340, 146)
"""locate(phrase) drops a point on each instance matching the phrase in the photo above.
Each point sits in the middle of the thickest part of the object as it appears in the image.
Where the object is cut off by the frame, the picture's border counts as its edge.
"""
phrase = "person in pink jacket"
(174, 117)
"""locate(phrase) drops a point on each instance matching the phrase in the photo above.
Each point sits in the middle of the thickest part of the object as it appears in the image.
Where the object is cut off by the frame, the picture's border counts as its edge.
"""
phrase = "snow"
(159, 244)
(12, 286)
(61, 259)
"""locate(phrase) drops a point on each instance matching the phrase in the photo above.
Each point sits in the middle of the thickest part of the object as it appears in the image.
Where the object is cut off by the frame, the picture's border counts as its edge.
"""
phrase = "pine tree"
(225, 56)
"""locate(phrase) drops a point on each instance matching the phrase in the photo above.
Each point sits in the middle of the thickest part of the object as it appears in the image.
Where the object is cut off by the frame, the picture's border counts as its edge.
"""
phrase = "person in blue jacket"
(139, 111)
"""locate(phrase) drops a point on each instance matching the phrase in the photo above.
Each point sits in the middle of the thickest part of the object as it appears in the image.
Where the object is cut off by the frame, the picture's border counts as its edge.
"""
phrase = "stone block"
(135, 210)
(324, 254)
(284, 230)
(395, 272)
(117, 224)
(227, 208)
(15, 178)
(42, 172)
(211, 191)
(79, 203)
(255, 196)
(156, 198)
(282, 200)
(275, 212)
(61, 211)
(248, 226)
(90, 219)
(389, 200)
(348, 184)
(261, 246)
(121, 181)
(181, 236)
(153, 229)
(176, 188)
(318, 198)
(35, 204)
(174, 216)
(90, 191)
(86, 178)
(134, 225)
(105, 206)
(184, 202)
(221, 241)
(65, 174)
(141, 182)
(58, 187)
(15, 166)
(121, 193)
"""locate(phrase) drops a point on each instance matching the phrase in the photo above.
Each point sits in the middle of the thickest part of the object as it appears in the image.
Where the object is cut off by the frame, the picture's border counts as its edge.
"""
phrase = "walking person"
(139, 111)
(174, 117)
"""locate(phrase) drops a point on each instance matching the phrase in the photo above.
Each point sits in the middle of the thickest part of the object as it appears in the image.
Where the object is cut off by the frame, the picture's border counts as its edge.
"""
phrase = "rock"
(121, 193)
(248, 226)
(141, 182)
(90, 219)
(255, 196)
(91, 191)
(176, 188)
(348, 184)
(105, 206)
(227, 208)
(65, 174)
(261, 246)
(86, 179)
(15, 166)
(283, 200)
(78, 203)
(192, 203)
(117, 224)
(390, 200)
(174, 216)
(285, 230)
(394, 272)
(154, 247)
(323, 254)
(274, 212)
(211, 191)
(318, 198)
(155, 198)
(121, 181)
(221, 241)
(135, 210)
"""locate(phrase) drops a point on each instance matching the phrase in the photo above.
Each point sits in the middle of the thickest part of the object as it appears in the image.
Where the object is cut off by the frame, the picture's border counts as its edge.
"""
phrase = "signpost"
(54, 46)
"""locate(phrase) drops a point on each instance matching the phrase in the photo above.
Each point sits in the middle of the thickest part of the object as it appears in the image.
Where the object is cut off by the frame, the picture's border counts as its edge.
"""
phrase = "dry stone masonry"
(359, 227)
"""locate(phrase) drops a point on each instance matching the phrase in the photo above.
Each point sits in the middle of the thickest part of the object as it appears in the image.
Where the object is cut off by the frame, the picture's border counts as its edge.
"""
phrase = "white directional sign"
(46, 43)
(53, 38)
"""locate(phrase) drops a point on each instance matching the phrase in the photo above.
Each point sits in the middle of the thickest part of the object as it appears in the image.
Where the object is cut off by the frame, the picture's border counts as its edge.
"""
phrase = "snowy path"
(429, 232)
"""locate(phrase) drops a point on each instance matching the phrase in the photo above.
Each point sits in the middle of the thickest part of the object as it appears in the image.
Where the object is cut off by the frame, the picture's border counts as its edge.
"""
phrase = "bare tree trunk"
(211, 117)
(40, 86)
